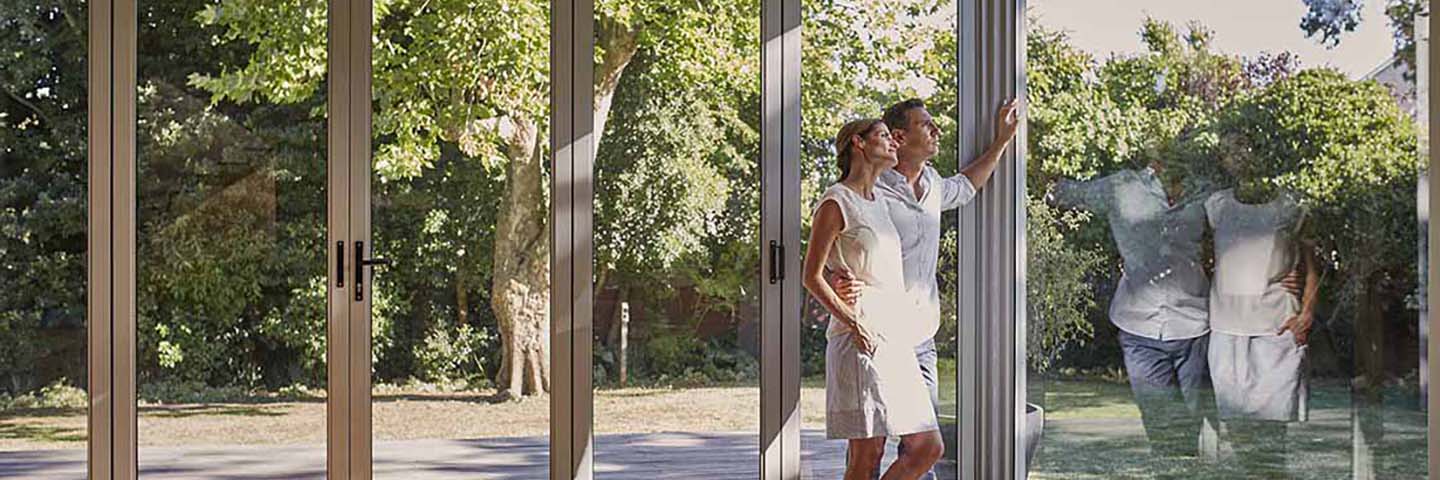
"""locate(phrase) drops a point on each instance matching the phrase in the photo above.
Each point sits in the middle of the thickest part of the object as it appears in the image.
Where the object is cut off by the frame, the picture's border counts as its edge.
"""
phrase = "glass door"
(893, 61)
(454, 196)
(1228, 222)
(677, 205)
(45, 241)
(232, 274)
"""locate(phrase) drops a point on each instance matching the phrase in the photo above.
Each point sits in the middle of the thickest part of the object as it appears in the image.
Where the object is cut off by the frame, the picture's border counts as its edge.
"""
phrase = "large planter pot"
(1034, 429)
(1030, 439)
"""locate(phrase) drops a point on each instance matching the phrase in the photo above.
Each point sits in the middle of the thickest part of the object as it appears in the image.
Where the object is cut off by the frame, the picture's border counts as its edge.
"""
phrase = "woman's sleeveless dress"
(882, 394)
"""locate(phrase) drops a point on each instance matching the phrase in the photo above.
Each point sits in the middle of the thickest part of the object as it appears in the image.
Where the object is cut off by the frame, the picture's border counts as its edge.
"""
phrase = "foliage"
(1057, 297)
(1348, 150)
(1330, 19)
(231, 138)
(43, 100)
(57, 395)
(462, 354)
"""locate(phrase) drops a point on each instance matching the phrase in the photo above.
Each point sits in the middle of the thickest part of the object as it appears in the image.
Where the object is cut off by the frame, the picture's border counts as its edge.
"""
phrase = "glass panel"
(231, 269)
(677, 259)
(860, 60)
(460, 202)
(43, 238)
(1223, 241)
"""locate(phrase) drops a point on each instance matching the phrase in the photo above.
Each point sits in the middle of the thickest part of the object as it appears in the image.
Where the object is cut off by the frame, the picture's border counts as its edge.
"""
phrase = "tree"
(1089, 118)
(472, 74)
(43, 107)
(1330, 19)
(1346, 147)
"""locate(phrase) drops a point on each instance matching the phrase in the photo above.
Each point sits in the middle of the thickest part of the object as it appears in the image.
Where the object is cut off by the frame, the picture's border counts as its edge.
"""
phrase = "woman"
(1259, 330)
(873, 384)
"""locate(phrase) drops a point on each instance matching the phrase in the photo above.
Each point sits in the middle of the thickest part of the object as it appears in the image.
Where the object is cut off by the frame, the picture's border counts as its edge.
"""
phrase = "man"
(916, 194)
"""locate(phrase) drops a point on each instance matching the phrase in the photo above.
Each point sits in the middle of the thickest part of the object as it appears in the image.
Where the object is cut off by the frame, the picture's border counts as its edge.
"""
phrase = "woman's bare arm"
(823, 231)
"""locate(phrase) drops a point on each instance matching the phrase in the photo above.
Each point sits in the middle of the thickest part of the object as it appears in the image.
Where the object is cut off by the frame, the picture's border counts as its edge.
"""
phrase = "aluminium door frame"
(990, 32)
(341, 404)
(781, 302)
(991, 300)
(1433, 252)
(572, 215)
(112, 448)
(99, 293)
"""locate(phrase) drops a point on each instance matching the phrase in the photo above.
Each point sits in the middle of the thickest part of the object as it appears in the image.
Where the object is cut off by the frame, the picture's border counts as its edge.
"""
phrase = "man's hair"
(897, 117)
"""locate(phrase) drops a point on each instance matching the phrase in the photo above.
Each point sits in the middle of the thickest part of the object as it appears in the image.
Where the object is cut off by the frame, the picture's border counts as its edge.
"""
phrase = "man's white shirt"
(917, 219)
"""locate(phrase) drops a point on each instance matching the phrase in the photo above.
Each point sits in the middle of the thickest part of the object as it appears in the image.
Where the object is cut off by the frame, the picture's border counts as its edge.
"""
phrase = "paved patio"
(634, 456)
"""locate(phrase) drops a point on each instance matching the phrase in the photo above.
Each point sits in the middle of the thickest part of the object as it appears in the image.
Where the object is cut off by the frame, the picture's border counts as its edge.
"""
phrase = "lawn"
(1092, 428)
(1093, 431)
(405, 415)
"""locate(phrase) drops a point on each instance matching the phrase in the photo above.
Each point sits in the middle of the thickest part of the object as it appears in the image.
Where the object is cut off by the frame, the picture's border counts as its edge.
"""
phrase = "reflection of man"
(1161, 305)
(916, 194)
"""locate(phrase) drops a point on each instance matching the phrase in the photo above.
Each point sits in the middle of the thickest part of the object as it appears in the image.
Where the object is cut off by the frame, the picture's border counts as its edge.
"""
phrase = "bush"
(58, 394)
(456, 356)
(678, 357)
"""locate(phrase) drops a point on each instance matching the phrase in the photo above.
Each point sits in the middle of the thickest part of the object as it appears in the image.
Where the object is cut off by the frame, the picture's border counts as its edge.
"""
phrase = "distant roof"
(1392, 74)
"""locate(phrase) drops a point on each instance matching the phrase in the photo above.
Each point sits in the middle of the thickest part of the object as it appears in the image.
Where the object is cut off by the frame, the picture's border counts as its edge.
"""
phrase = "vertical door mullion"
(772, 409)
(991, 278)
(339, 405)
(793, 296)
(572, 95)
(780, 210)
(562, 19)
(1430, 67)
(357, 75)
(124, 433)
(99, 212)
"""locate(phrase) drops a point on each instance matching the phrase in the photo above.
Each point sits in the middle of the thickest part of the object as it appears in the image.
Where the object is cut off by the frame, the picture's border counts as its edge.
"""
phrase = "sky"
(1243, 27)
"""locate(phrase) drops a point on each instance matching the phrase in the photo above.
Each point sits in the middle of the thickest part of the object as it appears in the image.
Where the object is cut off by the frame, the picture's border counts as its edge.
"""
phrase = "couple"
(878, 231)
(1245, 332)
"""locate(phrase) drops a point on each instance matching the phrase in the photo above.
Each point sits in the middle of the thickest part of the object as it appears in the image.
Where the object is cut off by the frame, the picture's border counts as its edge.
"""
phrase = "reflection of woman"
(873, 385)
(1259, 329)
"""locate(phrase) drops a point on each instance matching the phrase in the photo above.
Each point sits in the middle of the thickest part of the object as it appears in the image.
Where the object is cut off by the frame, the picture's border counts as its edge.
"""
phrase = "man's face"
(920, 138)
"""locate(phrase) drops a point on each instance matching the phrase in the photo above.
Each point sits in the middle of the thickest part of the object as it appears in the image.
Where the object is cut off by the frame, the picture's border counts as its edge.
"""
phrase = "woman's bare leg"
(920, 452)
(863, 458)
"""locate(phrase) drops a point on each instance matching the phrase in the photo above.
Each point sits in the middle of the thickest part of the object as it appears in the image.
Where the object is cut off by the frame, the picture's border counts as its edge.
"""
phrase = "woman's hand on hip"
(865, 339)
(1299, 325)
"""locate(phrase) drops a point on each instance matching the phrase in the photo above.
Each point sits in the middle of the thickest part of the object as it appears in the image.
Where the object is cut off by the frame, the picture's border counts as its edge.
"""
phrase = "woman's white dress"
(882, 394)
(1257, 372)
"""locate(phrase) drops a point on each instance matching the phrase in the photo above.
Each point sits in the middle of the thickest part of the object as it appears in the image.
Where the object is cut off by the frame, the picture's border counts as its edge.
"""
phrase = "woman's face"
(879, 147)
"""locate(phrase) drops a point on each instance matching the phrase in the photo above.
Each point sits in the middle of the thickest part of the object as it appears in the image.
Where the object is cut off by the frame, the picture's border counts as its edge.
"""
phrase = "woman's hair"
(843, 141)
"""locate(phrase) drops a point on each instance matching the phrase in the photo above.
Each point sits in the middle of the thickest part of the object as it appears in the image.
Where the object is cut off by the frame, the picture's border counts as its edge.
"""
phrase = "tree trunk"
(520, 294)
(618, 45)
(1368, 425)
(462, 300)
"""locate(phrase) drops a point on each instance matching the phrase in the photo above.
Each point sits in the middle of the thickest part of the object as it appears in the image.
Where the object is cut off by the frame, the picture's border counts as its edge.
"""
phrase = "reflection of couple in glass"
(1242, 328)
(878, 232)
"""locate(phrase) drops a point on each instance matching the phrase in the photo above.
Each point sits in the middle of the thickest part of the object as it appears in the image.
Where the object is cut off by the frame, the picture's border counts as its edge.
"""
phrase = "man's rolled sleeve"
(956, 191)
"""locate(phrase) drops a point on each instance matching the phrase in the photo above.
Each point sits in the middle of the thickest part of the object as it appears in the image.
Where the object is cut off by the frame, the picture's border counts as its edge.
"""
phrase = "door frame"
(991, 375)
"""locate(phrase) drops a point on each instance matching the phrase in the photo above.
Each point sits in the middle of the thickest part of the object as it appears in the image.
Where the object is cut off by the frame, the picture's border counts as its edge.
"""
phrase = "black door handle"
(777, 262)
(339, 264)
(360, 263)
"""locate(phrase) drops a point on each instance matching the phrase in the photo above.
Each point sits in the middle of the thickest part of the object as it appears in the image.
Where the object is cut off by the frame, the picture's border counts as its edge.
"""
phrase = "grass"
(400, 414)
(1092, 429)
